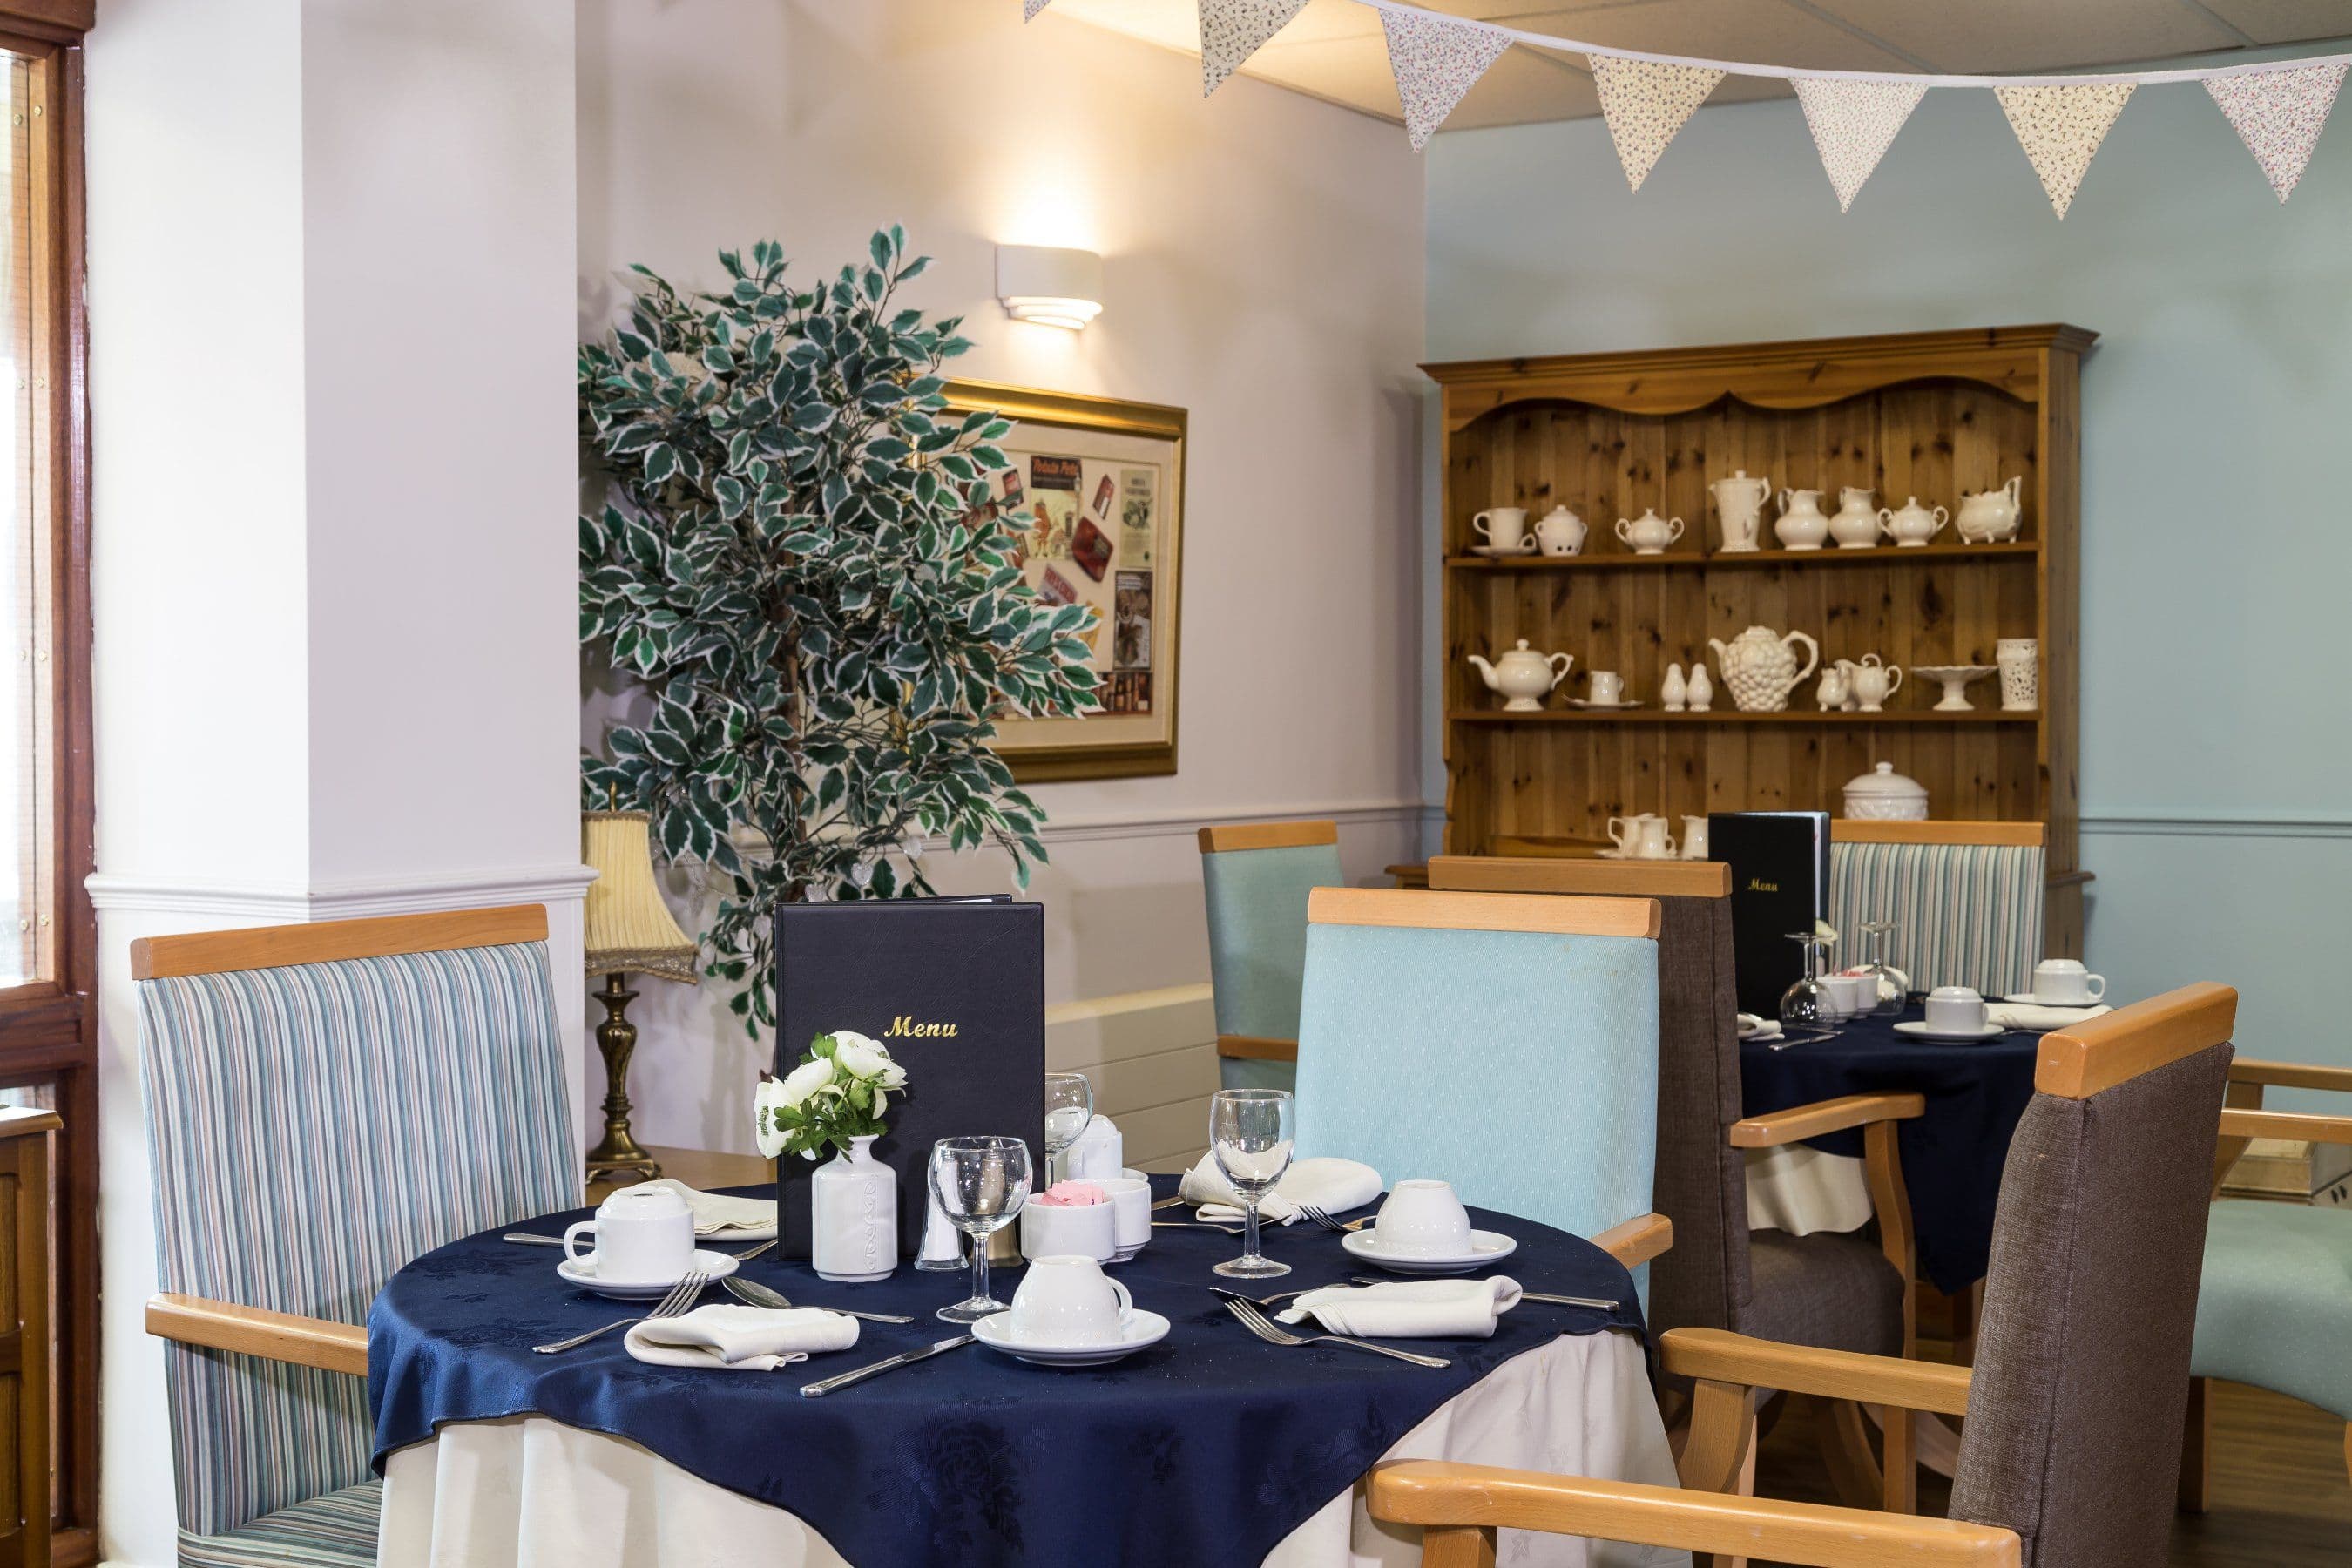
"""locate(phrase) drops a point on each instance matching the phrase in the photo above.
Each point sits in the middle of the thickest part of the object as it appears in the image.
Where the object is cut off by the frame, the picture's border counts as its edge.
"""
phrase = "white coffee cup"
(1606, 686)
(1625, 832)
(1100, 1151)
(644, 1236)
(1131, 1205)
(1423, 1219)
(1851, 993)
(1954, 1010)
(1504, 527)
(2064, 983)
(1086, 1230)
(1068, 1300)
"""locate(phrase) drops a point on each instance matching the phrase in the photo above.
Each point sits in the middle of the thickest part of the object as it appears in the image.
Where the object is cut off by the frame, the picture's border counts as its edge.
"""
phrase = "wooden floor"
(2281, 1497)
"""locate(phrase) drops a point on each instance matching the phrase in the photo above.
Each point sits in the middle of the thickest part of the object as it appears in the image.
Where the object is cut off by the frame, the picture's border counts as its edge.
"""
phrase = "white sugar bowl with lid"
(1883, 794)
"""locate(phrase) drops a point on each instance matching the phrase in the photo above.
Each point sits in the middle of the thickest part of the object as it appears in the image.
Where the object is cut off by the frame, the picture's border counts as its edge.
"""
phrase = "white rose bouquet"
(839, 1091)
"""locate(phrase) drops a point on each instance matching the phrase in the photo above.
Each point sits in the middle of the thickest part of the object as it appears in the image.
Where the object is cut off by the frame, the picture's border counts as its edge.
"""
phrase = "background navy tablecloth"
(1207, 1448)
(1952, 1156)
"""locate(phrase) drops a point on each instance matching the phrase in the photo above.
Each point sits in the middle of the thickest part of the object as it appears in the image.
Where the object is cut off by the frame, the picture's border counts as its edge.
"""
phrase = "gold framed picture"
(1096, 486)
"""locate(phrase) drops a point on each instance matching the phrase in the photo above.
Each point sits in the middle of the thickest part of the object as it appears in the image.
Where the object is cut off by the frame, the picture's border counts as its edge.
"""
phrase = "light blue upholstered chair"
(1965, 898)
(324, 1103)
(1506, 1042)
(1257, 877)
(2275, 1306)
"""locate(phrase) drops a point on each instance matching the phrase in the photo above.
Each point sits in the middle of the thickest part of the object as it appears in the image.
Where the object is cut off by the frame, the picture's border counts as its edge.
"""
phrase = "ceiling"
(1334, 50)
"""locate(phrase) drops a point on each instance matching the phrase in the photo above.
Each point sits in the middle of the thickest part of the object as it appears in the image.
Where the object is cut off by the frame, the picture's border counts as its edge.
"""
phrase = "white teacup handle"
(2096, 986)
(1479, 523)
(1126, 1301)
(588, 1225)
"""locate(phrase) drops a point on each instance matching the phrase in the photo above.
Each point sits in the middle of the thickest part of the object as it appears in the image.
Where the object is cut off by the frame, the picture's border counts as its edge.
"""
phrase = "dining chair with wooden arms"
(2276, 1306)
(1833, 1290)
(326, 1102)
(1965, 898)
(1506, 1044)
(2068, 1456)
(1255, 877)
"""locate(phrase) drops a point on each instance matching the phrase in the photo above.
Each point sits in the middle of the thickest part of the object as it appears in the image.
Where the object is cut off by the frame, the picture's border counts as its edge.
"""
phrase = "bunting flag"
(1645, 103)
(1233, 30)
(2061, 129)
(1029, 9)
(1853, 123)
(1435, 60)
(2279, 115)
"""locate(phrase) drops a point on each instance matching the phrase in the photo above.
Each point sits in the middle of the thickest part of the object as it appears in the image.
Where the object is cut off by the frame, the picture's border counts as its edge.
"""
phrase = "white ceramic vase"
(854, 1216)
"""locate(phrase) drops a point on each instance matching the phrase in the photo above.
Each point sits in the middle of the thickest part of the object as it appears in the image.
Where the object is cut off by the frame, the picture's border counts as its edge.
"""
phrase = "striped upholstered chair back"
(315, 1125)
(1255, 878)
(1506, 1042)
(1965, 898)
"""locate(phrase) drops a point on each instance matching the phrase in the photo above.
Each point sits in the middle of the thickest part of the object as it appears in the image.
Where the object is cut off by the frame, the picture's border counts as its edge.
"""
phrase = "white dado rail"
(1152, 1057)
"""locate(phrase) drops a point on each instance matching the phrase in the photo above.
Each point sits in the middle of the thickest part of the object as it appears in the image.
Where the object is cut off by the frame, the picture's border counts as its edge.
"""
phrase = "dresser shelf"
(1733, 716)
(1748, 560)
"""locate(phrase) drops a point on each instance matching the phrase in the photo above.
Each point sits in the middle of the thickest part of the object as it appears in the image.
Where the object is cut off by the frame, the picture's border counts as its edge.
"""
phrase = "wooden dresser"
(26, 1248)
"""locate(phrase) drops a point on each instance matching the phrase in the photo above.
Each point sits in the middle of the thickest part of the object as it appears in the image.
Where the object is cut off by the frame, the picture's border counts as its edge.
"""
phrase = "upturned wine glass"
(1069, 1107)
(1886, 994)
(1250, 1134)
(980, 1184)
(1806, 1003)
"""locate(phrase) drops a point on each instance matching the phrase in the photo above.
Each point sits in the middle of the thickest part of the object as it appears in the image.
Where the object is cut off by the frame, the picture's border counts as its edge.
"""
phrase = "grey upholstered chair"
(1255, 877)
(2075, 1404)
(324, 1103)
(1831, 1289)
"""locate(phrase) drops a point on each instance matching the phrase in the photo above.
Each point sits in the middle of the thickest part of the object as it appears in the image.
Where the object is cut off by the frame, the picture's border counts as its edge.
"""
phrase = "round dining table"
(1211, 1446)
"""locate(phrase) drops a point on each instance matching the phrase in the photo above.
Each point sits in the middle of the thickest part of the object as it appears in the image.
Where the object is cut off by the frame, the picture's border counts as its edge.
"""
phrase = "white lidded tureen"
(1883, 794)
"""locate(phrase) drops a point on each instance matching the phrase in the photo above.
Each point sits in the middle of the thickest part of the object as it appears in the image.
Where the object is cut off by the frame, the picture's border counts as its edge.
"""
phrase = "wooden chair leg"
(1900, 1467)
(1457, 1546)
(1968, 1314)
(2197, 1448)
(1847, 1453)
(1722, 1442)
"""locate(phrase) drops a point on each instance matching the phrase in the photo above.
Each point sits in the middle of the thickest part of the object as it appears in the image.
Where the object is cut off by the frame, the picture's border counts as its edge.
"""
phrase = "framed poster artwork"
(1097, 489)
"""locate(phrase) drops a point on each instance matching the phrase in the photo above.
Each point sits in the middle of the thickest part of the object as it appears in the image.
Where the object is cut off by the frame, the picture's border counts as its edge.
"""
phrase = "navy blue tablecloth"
(1952, 1155)
(1207, 1448)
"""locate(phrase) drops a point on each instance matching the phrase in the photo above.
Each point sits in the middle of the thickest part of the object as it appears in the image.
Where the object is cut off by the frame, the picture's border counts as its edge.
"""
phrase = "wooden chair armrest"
(1257, 1048)
(2290, 1124)
(257, 1330)
(1823, 1116)
(1721, 1357)
(2291, 1075)
(1637, 1240)
(1459, 1506)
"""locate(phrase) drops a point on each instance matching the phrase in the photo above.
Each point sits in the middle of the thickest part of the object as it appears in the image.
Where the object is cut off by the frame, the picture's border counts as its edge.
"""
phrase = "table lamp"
(629, 931)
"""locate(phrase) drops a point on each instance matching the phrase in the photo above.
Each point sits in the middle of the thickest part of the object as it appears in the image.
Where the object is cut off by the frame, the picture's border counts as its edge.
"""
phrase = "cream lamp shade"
(629, 929)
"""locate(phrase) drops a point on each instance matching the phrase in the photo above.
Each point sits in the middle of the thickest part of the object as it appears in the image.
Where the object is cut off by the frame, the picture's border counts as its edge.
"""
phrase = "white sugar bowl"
(1883, 794)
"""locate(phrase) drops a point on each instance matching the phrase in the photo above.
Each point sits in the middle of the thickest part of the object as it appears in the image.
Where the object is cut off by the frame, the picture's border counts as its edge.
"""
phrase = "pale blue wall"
(2217, 549)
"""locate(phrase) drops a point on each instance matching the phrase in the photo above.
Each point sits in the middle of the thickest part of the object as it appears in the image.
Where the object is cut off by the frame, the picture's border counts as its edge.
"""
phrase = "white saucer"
(718, 1265)
(1620, 855)
(1493, 549)
(1917, 1029)
(1604, 707)
(1143, 1329)
(1486, 1246)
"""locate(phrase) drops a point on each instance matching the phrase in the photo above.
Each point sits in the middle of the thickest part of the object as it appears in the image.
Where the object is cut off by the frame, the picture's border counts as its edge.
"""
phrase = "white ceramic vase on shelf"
(854, 1216)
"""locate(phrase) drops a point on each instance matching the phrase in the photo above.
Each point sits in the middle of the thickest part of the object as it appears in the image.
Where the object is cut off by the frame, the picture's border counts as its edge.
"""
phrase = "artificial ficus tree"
(797, 562)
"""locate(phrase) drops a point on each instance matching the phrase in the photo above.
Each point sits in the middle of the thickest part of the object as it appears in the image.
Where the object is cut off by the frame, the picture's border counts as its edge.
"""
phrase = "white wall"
(1263, 270)
(330, 266)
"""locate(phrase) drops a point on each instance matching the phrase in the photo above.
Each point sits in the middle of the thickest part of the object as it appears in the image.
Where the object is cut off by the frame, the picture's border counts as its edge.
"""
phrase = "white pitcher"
(1803, 525)
(1874, 682)
(1740, 502)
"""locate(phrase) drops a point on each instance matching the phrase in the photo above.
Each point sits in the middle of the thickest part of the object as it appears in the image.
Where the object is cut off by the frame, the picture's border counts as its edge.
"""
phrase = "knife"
(812, 1389)
(529, 1241)
(1595, 1303)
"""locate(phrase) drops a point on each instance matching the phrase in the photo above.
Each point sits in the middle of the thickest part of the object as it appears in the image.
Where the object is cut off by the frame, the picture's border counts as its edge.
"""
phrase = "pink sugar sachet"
(1070, 1195)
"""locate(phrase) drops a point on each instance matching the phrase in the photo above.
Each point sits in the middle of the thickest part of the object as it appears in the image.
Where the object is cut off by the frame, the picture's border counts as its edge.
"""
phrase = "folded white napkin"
(2032, 1016)
(1410, 1308)
(1330, 1184)
(746, 1337)
(715, 1213)
(1754, 1027)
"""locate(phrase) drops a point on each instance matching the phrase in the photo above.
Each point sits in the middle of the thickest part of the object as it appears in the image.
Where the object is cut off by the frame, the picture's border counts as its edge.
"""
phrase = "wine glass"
(1069, 1106)
(1250, 1132)
(1807, 1003)
(1886, 993)
(980, 1182)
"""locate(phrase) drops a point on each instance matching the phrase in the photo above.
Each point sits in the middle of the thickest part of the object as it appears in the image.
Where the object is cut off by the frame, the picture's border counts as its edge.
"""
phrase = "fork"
(752, 1252)
(1325, 1218)
(681, 1296)
(759, 1295)
(1261, 1325)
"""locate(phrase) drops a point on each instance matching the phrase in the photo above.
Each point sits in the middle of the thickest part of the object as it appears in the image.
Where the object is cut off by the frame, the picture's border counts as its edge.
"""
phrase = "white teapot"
(1914, 525)
(1739, 501)
(1649, 534)
(1855, 523)
(1560, 531)
(1524, 676)
(1761, 667)
(1990, 515)
(1872, 682)
(1803, 525)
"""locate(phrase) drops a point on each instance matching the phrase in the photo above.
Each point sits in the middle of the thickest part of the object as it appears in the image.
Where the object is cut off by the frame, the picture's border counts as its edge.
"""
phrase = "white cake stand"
(1954, 679)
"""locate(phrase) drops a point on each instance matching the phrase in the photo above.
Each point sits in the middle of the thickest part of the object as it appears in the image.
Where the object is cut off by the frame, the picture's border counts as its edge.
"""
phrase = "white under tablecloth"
(528, 1493)
(1799, 1189)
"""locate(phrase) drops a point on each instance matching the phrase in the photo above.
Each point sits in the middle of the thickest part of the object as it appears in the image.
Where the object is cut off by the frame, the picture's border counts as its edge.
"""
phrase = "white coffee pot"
(1649, 534)
(1991, 515)
(1524, 676)
(1914, 525)
(1803, 525)
(1560, 531)
(1855, 525)
(1740, 502)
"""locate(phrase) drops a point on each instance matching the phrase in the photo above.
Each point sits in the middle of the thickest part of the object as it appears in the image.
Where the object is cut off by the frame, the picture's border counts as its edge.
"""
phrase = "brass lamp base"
(617, 1041)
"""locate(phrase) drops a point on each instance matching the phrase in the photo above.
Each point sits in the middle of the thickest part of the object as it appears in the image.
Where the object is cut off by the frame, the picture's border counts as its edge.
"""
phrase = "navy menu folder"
(1780, 885)
(956, 989)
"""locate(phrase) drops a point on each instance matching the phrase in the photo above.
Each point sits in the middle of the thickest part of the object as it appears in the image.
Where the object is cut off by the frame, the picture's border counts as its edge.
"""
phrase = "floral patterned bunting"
(1029, 9)
(1436, 60)
(1233, 30)
(2061, 129)
(2279, 115)
(1645, 103)
(1853, 123)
